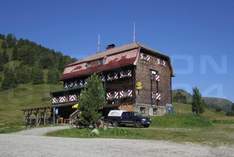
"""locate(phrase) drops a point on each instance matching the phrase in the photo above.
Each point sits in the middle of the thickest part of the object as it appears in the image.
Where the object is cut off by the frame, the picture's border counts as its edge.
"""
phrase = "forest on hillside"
(23, 61)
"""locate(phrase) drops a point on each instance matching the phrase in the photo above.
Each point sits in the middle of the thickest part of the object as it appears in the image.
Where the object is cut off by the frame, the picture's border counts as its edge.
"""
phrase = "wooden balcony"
(65, 97)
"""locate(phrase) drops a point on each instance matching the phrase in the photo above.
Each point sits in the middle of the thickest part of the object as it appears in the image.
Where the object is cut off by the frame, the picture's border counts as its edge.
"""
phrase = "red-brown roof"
(112, 58)
(109, 62)
(99, 68)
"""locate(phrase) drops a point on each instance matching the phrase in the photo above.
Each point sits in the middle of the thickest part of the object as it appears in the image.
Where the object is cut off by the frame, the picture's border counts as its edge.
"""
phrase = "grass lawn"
(219, 135)
(210, 128)
(12, 101)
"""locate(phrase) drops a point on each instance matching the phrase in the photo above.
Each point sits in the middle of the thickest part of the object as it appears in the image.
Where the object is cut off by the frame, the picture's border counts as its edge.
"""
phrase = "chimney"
(110, 46)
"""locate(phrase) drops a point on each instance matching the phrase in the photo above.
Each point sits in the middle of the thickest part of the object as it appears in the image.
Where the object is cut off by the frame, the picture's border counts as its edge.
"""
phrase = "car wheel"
(137, 124)
(115, 124)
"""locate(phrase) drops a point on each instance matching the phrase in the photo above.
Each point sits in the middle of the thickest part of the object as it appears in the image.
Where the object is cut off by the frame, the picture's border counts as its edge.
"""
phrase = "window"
(154, 72)
(87, 65)
(142, 110)
(125, 115)
(154, 75)
(101, 61)
(145, 57)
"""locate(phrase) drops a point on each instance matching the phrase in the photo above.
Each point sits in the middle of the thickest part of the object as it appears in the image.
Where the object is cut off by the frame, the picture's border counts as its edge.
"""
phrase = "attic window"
(101, 61)
(154, 72)
(143, 110)
(87, 65)
(154, 75)
(145, 57)
(94, 63)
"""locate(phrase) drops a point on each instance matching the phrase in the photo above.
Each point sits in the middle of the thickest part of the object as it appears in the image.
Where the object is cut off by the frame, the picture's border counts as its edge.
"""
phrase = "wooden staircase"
(73, 118)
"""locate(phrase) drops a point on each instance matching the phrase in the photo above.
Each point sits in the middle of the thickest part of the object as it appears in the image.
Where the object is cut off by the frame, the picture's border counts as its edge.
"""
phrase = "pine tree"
(2, 36)
(197, 102)
(23, 74)
(37, 75)
(4, 44)
(1, 67)
(9, 80)
(15, 54)
(92, 99)
(1, 61)
(11, 40)
(53, 76)
(5, 57)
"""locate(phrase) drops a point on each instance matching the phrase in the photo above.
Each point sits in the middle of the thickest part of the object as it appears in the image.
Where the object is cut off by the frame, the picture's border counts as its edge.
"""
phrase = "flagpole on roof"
(134, 32)
(98, 42)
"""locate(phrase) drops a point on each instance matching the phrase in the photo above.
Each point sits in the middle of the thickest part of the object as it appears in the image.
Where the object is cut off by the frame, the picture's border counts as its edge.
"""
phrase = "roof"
(112, 58)
(115, 50)
(108, 52)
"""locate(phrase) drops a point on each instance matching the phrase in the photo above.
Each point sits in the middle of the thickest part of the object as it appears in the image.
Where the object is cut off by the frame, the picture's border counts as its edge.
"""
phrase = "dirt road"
(28, 144)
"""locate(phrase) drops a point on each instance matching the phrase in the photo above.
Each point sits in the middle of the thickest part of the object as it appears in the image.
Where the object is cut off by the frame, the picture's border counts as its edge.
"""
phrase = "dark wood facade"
(155, 73)
(120, 69)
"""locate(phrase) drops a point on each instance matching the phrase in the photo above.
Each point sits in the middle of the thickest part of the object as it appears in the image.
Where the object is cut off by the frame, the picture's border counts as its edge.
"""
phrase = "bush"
(180, 98)
(218, 109)
(230, 113)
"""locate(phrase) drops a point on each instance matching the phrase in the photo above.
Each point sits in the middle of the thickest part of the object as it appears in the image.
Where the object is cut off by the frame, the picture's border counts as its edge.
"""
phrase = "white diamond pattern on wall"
(72, 98)
(62, 99)
(54, 100)
(119, 94)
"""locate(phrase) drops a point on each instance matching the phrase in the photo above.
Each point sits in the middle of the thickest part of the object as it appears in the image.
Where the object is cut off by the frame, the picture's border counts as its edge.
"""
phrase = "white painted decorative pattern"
(156, 96)
(127, 73)
(145, 57)
(65, 99)
(72, 98)
(155, 77)
(54, 100)
(148, 58)
(119, 94)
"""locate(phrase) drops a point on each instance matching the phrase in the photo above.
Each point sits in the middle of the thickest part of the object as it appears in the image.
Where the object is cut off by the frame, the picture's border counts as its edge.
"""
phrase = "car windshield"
(137, 114)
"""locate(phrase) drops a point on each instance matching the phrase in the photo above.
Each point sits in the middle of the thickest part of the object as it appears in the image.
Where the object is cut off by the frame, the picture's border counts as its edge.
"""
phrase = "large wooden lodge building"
(136, 78)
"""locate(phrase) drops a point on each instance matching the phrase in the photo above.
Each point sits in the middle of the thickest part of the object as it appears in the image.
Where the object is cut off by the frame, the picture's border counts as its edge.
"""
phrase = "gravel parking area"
(26, 144)
(41, 131)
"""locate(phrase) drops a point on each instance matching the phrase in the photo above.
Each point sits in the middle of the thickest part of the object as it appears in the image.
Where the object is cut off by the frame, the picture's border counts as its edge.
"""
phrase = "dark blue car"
(125, 118)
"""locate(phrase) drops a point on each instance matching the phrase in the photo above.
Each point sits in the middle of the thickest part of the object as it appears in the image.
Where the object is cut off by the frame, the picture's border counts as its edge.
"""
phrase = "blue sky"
(197, 34)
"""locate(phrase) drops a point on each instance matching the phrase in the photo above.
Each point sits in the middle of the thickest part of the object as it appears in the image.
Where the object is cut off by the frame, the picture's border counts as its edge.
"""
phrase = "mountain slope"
(212, 102)
(28, 73)
(23, 61)
(24, 96)
(218, 103)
